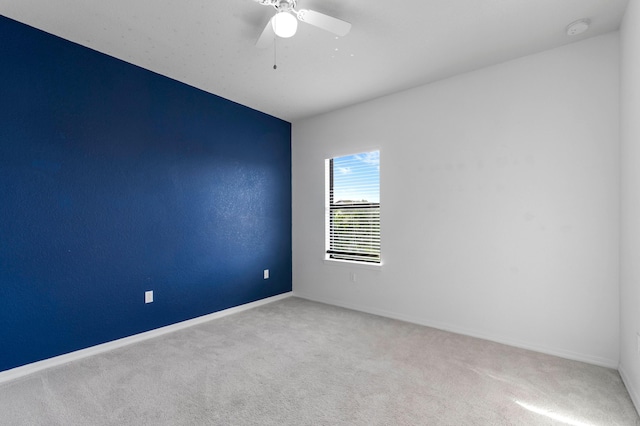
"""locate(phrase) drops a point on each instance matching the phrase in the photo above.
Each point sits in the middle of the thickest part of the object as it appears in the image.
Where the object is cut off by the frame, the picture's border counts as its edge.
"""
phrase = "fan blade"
(326, 22)
(266, 38)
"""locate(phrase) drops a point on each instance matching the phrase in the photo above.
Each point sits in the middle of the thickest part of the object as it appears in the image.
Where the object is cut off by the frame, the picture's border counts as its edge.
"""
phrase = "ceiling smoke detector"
(578, 27)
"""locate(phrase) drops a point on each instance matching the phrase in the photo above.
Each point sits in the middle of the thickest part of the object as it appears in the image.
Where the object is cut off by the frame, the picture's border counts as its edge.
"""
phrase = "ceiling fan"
(285, 22)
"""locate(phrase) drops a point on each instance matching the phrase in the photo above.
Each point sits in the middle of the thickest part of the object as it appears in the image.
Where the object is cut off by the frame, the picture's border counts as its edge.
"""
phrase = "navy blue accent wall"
(115, 180)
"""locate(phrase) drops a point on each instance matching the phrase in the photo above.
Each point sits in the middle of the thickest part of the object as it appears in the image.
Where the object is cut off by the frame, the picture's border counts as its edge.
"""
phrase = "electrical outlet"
(148, 296)
(353, 277)
(265, 274)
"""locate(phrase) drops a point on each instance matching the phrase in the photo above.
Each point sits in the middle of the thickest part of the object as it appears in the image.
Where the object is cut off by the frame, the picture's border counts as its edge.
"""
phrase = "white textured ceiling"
(393, 45)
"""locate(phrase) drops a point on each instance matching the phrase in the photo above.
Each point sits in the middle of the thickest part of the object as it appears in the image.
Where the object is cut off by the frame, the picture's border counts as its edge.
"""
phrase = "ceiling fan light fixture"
(284, 24)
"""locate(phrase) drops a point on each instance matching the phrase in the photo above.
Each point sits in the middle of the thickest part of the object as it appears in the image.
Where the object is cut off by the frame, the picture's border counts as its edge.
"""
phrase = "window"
(353, 207)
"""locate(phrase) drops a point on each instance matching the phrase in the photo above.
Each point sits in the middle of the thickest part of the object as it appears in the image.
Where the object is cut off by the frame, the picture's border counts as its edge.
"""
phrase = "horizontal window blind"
(354, 208)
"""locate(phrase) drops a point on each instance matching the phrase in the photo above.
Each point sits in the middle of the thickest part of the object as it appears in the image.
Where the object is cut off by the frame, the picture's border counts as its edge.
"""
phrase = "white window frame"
(349, 258)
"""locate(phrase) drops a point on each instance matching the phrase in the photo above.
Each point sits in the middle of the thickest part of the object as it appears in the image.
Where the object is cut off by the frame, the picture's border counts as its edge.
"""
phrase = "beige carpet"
(296, 362)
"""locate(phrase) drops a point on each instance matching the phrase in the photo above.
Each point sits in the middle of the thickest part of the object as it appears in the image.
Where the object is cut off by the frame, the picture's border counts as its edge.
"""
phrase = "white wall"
(500, 203)
(630, 236)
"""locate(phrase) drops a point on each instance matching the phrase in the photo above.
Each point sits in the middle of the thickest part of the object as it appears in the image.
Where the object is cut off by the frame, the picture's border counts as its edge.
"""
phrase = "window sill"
(352, 264)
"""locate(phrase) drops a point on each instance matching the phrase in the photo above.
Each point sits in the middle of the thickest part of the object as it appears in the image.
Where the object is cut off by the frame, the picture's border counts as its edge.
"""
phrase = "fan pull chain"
(275, 40)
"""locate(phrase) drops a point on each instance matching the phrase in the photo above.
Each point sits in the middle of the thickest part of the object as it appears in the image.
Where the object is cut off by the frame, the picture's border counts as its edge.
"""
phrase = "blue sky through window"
(357, 177)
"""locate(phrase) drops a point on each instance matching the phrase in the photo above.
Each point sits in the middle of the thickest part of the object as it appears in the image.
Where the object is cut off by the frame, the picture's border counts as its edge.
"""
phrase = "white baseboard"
(24, 370)
(602, 362)
(633, 392)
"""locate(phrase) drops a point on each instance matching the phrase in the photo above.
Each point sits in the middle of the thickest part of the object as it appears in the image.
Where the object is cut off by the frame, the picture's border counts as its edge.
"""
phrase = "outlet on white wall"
(148, 296)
